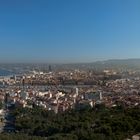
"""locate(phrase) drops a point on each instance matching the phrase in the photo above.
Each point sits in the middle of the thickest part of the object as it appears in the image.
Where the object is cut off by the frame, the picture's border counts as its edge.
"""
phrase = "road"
(2, 120)
(7, 120)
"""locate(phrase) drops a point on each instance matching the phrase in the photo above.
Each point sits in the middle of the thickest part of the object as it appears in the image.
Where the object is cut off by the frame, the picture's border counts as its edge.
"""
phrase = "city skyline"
(69, 31)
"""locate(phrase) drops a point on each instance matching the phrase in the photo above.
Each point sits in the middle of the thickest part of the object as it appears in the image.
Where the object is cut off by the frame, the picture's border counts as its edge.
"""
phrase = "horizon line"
(65, 63)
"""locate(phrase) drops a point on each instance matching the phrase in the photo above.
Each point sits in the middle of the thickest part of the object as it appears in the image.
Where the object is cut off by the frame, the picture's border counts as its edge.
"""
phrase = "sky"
(69, 31)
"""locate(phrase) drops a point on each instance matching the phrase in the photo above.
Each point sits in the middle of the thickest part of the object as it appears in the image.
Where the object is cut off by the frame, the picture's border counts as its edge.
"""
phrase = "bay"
(6, 72)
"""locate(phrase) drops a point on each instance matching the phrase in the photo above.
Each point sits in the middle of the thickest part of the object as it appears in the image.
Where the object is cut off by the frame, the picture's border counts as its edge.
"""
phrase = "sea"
(6, 72)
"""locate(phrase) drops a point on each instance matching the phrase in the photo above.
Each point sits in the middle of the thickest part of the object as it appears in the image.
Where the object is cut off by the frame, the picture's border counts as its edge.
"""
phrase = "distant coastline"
(6, 72)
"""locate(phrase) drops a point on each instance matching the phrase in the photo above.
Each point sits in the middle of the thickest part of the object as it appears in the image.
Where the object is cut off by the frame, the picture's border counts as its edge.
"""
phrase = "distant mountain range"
(123, 64)
(118, 63)
(122, 61)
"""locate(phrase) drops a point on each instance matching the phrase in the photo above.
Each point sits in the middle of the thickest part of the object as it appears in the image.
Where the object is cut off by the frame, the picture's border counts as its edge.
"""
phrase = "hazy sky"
(69, 30)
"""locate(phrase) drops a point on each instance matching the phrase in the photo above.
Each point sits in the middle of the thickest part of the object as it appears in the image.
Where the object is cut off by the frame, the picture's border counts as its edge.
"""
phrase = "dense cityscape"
(69, 70)
(60, 91)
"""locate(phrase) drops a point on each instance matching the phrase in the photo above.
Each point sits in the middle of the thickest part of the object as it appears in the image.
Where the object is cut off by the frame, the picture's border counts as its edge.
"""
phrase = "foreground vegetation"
(99, 123)
(19, 137)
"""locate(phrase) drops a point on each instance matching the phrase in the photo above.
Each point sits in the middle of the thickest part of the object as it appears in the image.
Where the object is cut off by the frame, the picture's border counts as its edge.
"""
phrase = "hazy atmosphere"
(69, 69)
(69, 30)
